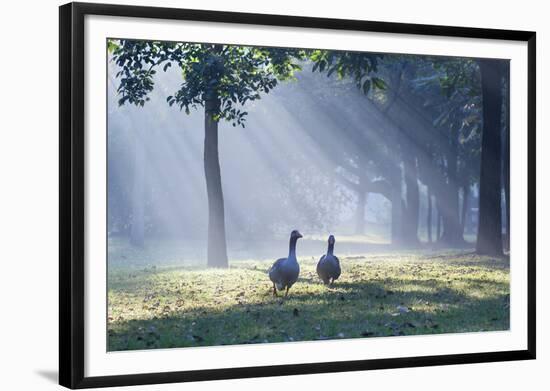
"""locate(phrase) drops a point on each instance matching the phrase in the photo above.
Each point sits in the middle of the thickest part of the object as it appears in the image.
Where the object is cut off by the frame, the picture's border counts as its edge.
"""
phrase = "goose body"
(284, 271)
(328, 267)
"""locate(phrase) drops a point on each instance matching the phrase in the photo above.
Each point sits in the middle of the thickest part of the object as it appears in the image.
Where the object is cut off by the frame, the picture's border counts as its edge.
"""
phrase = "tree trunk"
(360, 211)
(137, 227)
(452, 234)
(396, 206)
(439, 218)
(507, 192)
(451, 222)
(217, 247)
(506, 152)
(429, 217)
(489, 238)
(410, 223)
(465, 206)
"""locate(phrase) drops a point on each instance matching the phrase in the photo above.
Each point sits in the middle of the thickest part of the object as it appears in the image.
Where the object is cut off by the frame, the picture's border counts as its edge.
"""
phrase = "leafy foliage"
(359, 66)
(229, 75)
(450, 89)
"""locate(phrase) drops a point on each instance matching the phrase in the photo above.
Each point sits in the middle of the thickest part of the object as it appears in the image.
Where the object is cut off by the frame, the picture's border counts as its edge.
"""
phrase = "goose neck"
(292, 248)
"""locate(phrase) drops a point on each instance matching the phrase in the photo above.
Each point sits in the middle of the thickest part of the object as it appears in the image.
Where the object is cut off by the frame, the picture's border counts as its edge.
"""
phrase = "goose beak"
(299, 235)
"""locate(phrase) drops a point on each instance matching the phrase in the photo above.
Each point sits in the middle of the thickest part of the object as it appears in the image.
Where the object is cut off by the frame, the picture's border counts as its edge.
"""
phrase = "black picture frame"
(71, 188)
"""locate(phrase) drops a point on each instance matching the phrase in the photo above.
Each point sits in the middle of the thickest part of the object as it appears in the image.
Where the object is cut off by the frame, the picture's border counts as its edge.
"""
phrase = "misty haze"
(229, 167)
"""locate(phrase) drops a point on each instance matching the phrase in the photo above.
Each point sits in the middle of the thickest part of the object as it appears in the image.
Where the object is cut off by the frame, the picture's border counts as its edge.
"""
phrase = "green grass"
(377, 295)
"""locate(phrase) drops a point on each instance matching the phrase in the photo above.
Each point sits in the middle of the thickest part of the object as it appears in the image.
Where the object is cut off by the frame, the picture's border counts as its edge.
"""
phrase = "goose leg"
(274, 290)
(286, 294)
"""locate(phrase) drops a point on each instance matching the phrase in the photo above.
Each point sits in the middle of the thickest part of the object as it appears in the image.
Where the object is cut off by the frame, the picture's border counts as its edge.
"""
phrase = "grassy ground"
(377, 295)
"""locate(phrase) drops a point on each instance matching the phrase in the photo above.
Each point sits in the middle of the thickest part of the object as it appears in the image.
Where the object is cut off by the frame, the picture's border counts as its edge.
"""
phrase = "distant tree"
(359, 68)
(220, 78)
(470, 110)
(400, 139)
(316, 105)
(118, 190)
(355, 157)
(406, 141)
(448, 90)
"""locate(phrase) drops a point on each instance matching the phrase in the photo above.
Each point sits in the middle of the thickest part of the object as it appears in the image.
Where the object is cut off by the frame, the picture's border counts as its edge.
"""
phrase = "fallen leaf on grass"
(402, 309)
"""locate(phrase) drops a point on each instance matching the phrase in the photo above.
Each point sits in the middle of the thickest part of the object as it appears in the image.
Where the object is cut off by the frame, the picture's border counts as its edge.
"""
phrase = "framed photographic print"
(259, 195)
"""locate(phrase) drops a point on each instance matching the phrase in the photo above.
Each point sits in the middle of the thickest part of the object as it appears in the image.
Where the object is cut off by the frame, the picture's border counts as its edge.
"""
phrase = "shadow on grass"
(348, 310)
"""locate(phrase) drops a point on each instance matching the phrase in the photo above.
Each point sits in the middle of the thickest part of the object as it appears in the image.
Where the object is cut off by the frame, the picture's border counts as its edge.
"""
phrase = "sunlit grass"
(370, 238)
(377, 295)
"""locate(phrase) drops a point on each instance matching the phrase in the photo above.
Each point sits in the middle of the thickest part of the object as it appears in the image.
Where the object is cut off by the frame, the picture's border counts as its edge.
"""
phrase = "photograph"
(266, 194)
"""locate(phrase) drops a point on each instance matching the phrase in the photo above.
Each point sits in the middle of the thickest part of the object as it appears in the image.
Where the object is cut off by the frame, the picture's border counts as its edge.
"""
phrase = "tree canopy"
(232, 74)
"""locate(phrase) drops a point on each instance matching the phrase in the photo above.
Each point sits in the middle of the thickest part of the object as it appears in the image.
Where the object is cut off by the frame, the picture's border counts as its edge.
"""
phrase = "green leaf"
(379, 83)
(112, 46)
